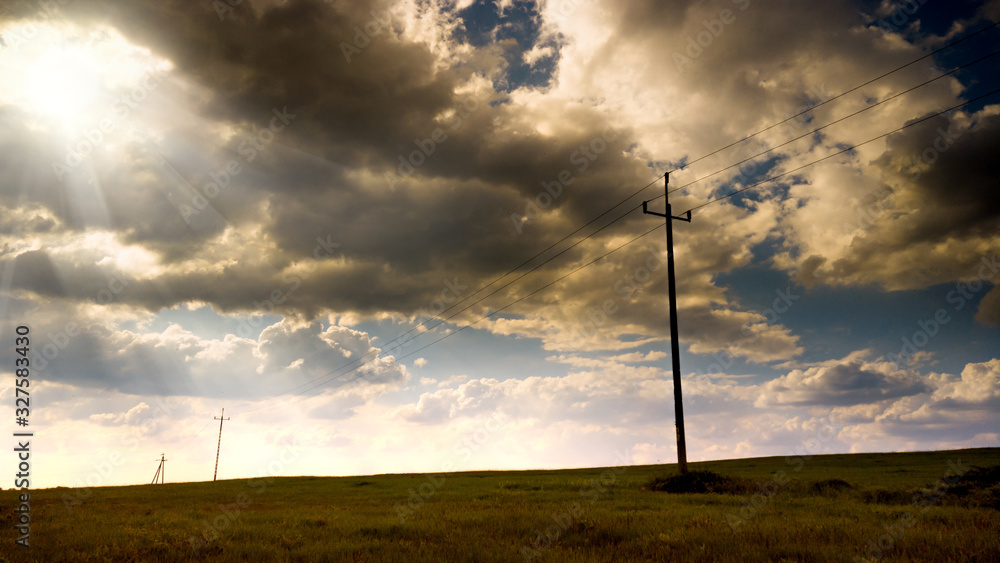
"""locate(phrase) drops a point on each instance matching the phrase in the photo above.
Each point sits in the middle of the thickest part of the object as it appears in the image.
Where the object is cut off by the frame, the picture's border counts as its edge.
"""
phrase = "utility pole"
(161, 470)
(674, 343)
(217, 448)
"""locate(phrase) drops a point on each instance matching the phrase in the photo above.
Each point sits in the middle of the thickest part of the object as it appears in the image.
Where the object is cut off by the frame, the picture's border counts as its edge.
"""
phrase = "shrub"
(829, 487)
(701, 482)
(979, 486)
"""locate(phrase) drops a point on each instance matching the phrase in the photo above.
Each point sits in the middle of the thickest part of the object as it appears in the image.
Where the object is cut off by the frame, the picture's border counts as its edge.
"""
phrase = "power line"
(565, 250)
(501, 309)
(526, 262)
(196, 434)
(316, 383)
(908, 125)
(347, 368)
(494, 292)
(846, 117)
(856, 88)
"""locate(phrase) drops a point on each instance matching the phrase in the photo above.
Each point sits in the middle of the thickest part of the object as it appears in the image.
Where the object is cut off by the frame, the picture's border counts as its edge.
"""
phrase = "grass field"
(878, 507)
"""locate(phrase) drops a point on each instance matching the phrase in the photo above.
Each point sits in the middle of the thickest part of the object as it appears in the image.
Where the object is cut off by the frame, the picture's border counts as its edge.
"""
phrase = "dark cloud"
(950, 165)
(940, 190)
(34, 270)
(840, 385)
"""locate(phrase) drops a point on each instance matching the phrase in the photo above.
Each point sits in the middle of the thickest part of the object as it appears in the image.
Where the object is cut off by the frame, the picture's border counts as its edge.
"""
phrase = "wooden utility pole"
(161, 470)
(218, 447)
(674, 343)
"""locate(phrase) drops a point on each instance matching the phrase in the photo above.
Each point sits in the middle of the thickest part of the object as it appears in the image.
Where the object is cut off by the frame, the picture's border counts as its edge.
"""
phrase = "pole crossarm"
(686, 217)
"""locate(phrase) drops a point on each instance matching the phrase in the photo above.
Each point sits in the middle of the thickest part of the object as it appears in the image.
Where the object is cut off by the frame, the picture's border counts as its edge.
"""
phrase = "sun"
(68, 77)
(49, 73)
(61, 83)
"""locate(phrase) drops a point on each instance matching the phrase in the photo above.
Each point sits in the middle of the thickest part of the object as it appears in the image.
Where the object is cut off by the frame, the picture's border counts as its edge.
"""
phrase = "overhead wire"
(840, 152)
(838, 96)
(346, 368)
(846, 117)
(550, 247)
(394, 341)
(494, 313)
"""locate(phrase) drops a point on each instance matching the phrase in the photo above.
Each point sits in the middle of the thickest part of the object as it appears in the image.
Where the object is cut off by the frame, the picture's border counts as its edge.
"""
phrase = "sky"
(408, 236)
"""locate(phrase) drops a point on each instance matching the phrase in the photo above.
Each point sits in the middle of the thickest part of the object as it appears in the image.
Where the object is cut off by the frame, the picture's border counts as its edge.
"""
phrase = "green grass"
(823, 508)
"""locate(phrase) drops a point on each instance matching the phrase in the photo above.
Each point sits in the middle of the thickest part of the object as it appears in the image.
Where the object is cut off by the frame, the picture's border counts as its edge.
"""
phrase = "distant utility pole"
(217, 448)
(161, 470)
(674, 343)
